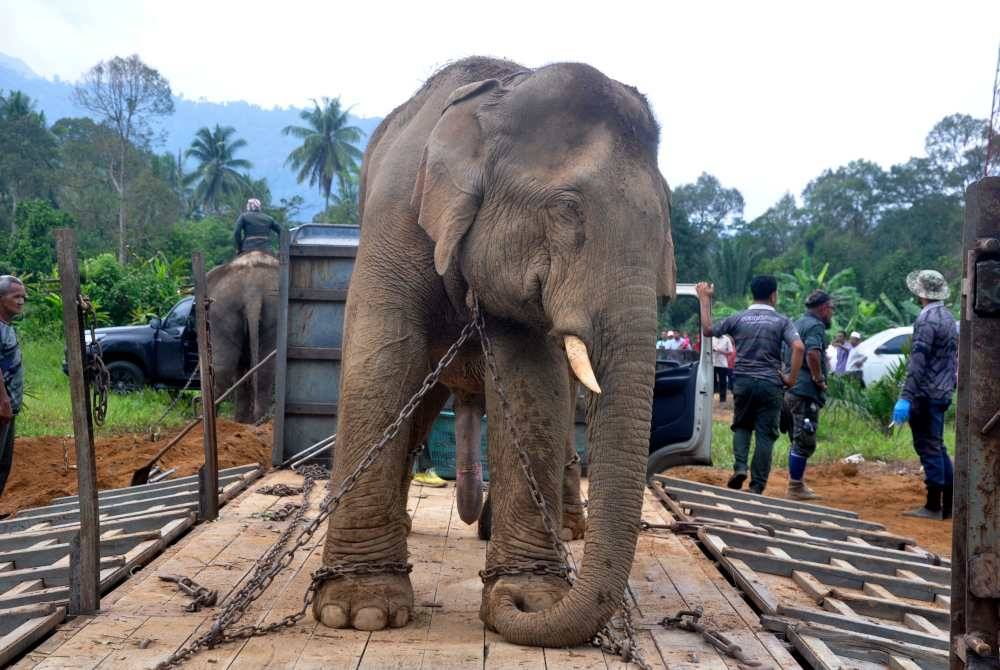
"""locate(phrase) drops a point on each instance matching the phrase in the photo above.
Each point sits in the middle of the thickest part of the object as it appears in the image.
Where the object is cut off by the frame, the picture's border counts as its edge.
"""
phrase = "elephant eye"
(568, 210)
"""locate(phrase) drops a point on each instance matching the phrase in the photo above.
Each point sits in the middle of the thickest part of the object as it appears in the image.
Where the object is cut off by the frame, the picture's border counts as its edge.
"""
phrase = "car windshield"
(895, 345)
(178, 316)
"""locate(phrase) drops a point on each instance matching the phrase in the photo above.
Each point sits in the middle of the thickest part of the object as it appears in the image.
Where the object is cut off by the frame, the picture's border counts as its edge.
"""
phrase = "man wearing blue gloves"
(931, 377)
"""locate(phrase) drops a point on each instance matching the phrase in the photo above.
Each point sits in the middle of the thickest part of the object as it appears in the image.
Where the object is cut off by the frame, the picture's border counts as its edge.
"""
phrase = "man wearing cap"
(804, 400)
(758, 381)
(931, 376)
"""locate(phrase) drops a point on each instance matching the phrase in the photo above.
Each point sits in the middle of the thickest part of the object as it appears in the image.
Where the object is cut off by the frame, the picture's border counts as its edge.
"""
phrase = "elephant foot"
(574, 524)
(529, 593)
(371, 602)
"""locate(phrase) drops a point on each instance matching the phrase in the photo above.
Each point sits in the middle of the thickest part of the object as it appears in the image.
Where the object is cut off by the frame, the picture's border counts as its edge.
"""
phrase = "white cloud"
(763, 95)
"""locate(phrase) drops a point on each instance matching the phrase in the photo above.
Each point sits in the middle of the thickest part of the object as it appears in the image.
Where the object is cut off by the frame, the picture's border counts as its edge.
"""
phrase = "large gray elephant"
(243, 318)
(536, 193)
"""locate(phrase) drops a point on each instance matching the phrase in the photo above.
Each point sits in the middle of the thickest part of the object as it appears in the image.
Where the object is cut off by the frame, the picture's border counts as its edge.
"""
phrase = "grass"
(46, 409)
(841, 433)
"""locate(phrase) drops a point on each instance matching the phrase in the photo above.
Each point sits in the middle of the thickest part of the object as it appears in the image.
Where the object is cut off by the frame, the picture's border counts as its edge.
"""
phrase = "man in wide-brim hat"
(931, 376)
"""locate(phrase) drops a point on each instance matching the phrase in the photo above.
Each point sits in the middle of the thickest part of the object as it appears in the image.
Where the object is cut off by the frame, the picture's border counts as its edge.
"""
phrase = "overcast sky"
(764, 95)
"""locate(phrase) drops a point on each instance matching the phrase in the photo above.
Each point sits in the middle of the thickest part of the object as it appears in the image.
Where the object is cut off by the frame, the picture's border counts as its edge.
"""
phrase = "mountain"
(266, 147)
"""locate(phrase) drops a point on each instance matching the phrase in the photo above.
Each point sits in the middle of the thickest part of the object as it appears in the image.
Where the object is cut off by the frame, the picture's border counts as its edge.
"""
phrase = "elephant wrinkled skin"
(537, 192)
(244, 323)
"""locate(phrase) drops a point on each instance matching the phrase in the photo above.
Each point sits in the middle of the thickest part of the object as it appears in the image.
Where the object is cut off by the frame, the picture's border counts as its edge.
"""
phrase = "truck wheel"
(125, 377)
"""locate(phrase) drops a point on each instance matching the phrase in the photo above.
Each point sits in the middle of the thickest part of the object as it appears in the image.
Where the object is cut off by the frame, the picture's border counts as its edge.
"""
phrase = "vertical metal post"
(85, 557)
(208, 476)
(278, 455)
(976, 536)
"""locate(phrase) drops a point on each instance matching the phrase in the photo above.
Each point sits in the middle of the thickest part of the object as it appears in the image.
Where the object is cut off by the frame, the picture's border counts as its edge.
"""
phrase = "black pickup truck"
(161, 354)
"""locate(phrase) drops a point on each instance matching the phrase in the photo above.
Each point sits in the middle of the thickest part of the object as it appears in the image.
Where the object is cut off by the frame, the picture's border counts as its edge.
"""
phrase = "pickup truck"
(161, 354)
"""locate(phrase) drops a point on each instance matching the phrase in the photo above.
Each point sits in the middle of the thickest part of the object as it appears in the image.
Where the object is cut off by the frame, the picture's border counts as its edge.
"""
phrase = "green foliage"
(344, 208)
(132, 293)
(212, 236)
(32, 248)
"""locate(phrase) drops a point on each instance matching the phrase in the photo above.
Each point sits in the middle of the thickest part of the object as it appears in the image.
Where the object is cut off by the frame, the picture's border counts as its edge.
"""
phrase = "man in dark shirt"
(12, 296)
(758, 381)
(804, 400)
(931, 376)
(253, 229)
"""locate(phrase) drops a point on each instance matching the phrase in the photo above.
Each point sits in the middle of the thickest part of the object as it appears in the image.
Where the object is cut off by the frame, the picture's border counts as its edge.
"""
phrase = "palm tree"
(327, 145)
(217, 172)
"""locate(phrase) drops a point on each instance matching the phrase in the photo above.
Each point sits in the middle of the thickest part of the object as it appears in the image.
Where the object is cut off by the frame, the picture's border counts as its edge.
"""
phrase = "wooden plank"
(12, 617)
(14, 643)
(208, 475)
(863, 626)
(891, 609)
(57, 575)
(767, 507)
(84, 596)
(818, 552)
(838, 607)
(898, 662)
(836, 576)
(812, 586)
(321, 250)
(738, 496)
(311, 408)
(116, 509)
(39, 556)
(922, 624)
(131, 522)
(814, 650)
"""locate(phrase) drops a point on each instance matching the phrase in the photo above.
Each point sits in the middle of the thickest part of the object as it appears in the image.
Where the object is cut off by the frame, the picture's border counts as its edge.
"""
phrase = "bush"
(212, 236)
(131, 293)
(873, 403)
(32, 249)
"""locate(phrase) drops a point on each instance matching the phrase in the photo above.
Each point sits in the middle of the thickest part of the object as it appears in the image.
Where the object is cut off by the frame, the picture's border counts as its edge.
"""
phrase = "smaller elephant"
(243, 318)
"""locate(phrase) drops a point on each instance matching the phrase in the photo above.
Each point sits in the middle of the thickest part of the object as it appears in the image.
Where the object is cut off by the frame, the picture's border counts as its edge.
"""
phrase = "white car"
(880, 352)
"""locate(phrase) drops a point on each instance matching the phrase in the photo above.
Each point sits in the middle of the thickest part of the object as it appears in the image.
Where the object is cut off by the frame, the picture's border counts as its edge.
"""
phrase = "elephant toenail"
(401, 618)
(334, 616)
(370, 618)
(566, 534)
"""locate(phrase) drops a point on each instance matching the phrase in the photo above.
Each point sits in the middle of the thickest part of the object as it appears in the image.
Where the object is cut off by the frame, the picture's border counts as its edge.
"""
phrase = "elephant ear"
(667, 271)
(449, 187)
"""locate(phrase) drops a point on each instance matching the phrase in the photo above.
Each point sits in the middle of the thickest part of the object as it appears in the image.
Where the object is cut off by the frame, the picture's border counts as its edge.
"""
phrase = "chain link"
(625, 646)
(690, 620)
(278, 557)
(95, 371)
(202, 596)
(280, 490)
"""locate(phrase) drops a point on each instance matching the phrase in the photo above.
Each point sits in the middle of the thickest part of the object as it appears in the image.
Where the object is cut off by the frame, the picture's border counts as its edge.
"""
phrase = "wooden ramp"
(147, 621)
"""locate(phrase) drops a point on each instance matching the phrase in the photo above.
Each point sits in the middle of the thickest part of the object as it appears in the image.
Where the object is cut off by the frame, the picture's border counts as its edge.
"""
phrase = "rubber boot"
(736, 481)
(798, 490)
(932, 510)
(947, 499)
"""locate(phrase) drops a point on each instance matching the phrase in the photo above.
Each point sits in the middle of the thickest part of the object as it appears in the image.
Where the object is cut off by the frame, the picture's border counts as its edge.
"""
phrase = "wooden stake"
(84, 593)
(209, 475)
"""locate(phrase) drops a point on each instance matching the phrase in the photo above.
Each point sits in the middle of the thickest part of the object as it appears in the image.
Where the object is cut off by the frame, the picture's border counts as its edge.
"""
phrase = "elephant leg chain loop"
(278, 557)
(625, 646)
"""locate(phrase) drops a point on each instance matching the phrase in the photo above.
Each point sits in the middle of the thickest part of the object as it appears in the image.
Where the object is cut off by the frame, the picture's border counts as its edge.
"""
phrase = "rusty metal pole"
(975, 625)
(208, 476)
(85, 555)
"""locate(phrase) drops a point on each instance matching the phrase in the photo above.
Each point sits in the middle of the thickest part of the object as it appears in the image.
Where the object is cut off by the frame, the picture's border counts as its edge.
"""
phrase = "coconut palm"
(327, 145)
(218, 168)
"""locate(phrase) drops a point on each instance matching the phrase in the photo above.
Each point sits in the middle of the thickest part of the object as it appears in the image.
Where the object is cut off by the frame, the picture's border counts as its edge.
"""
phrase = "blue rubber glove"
(901, 412)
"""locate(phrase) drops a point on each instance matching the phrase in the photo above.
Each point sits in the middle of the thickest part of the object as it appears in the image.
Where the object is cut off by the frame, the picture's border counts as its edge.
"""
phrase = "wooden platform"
(143, 622)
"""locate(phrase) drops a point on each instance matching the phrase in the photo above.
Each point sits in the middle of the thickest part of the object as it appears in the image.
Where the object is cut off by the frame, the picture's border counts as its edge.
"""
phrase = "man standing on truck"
(12, 295)
(253, 229)
(931, 376)
(804, 400)
(758, 382)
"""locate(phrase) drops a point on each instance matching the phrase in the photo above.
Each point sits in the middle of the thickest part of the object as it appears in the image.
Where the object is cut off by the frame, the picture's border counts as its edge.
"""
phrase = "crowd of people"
(782, 367)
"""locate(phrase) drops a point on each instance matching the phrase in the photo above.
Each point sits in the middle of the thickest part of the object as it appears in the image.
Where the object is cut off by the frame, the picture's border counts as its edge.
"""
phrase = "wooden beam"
(740, 496)
(859, 625)
(54, 575)
(131, 522)
(85, 597)
(33, 557)
(208, 476)
(14, 643)
(179, 483)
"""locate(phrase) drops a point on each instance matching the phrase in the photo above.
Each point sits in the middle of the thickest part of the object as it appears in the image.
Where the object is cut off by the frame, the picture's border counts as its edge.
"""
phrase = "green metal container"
(441, 445)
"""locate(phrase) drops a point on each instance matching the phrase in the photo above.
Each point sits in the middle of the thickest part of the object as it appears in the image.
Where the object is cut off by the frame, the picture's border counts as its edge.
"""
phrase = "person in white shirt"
(722, 347)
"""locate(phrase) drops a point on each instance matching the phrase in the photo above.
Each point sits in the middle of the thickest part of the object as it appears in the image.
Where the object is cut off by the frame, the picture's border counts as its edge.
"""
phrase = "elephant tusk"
(576, 352)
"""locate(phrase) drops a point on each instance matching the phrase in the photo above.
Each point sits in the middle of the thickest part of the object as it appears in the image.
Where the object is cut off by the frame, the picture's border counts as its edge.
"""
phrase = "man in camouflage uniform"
(931, 377)
(12, 297)
(804, 400)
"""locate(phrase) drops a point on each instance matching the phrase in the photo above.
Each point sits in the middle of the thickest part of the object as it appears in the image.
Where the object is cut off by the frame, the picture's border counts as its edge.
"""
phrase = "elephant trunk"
(468, 463)
(619, 446)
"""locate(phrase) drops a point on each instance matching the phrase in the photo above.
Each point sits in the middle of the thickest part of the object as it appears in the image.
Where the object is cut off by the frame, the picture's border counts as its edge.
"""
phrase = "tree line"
(856, 230)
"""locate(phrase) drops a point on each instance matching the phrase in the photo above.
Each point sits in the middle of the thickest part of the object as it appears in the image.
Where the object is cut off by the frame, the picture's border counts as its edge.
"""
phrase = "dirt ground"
(39, 474)
(878, 492)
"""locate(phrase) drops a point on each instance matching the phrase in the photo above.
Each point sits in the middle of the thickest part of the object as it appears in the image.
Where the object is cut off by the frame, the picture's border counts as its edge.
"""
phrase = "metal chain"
(280, 490)
(278, 557)
(689, 620)
(627, 646)
(96, 372)
(202, 596)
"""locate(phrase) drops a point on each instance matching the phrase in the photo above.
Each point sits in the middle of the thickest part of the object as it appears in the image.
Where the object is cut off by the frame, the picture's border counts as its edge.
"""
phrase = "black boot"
(932, 510)
(947, 498)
